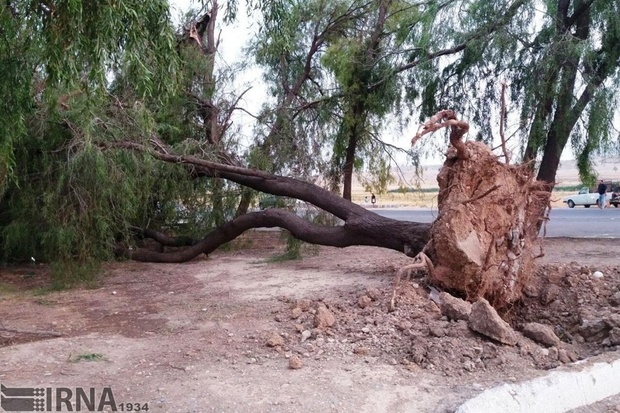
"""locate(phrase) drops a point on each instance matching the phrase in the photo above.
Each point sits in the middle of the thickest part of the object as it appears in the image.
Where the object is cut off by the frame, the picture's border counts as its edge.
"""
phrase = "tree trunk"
(349, 163)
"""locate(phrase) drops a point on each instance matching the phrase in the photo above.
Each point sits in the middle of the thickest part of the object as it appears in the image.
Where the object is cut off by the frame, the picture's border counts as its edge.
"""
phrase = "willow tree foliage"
(560, 60)
(64, 64)
(77, 78)
(54, 47)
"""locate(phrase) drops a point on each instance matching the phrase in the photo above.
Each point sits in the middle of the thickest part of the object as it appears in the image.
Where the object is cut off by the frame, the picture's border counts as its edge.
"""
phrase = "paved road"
(578, 222)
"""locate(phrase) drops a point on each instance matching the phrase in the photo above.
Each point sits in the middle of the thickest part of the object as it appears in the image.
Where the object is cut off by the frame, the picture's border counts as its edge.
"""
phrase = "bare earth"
(218, 334)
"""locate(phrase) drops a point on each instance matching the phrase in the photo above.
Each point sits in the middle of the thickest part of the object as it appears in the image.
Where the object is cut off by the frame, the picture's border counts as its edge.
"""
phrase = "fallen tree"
(481, 245)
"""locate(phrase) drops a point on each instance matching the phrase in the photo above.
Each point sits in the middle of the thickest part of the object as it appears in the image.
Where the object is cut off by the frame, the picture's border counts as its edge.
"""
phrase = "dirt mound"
(575, 305)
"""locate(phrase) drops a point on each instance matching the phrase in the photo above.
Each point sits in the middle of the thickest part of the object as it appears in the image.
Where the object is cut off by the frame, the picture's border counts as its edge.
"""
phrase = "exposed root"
(421, 261)
(467, 201)
(444, 119)
(482, 242)
(545, 219)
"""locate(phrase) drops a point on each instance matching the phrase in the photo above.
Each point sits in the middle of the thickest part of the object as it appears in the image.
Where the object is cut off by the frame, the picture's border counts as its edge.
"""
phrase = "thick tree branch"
(255, 179)
(163, 239)
(371, 230)
(361, 227)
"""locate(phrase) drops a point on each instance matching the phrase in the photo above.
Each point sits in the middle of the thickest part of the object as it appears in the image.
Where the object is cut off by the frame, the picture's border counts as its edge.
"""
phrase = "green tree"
(61, 198)
(53, 48)
(561, 60)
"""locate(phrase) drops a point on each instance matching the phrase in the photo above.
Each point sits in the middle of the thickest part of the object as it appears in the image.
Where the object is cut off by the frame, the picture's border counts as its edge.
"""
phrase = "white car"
(583, 197)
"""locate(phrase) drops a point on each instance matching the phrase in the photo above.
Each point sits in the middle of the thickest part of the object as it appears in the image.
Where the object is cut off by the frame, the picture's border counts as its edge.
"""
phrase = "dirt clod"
(364, 301)
(274, 340)
(323, 317)
(296, 312)
(373, 293)
(295, 363)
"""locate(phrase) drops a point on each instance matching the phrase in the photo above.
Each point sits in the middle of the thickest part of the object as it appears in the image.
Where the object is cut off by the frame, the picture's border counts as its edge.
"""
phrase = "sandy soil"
(220, 333)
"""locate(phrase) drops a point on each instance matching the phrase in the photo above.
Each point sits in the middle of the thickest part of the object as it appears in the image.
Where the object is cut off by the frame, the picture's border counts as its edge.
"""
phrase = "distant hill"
(607, 168)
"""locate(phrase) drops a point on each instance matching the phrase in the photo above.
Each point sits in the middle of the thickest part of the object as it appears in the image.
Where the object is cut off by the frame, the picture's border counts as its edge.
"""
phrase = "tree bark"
(360, 226)
(368, 229)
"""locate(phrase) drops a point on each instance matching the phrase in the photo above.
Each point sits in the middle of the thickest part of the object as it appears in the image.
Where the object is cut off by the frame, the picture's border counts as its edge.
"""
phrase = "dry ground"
(194, 337)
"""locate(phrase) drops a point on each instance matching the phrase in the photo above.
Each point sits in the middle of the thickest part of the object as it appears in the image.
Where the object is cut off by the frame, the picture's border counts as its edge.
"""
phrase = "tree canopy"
(561, 62)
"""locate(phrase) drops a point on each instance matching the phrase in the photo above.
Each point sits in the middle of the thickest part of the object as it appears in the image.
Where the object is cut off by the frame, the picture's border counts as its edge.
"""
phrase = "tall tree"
(561, 60)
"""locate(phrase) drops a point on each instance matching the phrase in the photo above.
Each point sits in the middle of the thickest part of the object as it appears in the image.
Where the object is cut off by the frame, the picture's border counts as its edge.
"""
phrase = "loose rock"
(615, 299)
(296, 312)
(361, 351)
(274, 340)
(614, 336)
(550, 294)
(541, 334)
(306, 334)
(594, 330)
(373, 293)
(364, 301)
(304, 304)
(485, 320)
(323, 317)
(454, 308)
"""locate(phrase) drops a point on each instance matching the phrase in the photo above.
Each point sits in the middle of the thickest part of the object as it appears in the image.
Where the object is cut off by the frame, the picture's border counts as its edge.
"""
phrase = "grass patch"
(413, 190)
(47, 289)
(45, 302)
(7, 288)
(293, 249)
(67, 274)
(88, 357)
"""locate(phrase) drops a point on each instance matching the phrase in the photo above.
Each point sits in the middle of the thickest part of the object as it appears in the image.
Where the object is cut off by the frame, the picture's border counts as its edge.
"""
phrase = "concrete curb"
(557, 392)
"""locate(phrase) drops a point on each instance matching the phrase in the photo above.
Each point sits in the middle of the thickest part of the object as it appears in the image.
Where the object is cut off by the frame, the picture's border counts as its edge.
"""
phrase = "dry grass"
(398, 199)
(426, 199)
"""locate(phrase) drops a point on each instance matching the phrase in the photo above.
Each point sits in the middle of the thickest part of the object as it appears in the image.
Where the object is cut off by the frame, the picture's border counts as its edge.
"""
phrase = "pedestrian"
(373, 199)
(602, 191)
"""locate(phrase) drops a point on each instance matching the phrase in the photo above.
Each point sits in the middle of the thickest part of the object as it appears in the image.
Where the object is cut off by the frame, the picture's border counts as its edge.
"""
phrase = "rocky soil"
(240, 331)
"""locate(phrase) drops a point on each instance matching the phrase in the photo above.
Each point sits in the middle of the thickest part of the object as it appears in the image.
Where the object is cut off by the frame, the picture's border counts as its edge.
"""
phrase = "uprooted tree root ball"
(482, 243)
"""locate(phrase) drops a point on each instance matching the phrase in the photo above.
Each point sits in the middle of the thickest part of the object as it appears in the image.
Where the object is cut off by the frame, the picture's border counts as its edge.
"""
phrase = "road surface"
(577, 222)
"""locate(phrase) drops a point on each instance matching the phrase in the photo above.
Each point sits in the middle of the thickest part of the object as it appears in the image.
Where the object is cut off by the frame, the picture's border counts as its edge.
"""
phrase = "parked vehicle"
(583, 197)
(615, 199)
